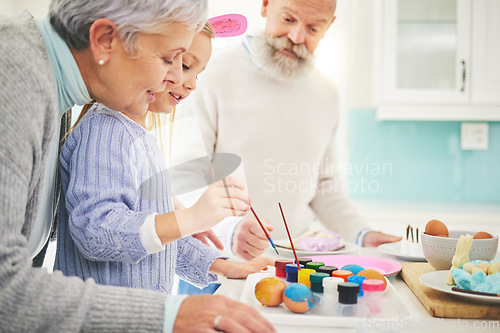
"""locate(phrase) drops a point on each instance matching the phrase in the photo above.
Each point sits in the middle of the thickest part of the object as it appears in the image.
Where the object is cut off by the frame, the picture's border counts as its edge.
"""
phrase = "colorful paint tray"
(394, 309)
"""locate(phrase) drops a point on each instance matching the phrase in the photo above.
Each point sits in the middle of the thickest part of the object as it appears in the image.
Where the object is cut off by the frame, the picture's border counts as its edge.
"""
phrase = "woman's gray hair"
(72, 18)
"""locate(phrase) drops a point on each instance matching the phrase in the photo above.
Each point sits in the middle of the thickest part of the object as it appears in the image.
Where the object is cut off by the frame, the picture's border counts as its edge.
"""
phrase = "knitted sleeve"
(194, 260)
(101, 197)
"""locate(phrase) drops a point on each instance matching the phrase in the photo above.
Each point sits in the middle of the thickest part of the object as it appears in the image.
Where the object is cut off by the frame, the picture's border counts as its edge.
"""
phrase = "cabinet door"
(486, 52)
(426, 51)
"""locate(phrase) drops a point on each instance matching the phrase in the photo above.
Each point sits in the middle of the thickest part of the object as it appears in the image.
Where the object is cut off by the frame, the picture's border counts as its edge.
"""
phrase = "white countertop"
(421, 320)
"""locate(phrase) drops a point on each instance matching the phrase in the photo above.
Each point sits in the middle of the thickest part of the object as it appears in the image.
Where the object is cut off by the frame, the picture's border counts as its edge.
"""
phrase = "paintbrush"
(225, 186)
(265, 231)
(228, 196)
(290, 238)
(482, 293)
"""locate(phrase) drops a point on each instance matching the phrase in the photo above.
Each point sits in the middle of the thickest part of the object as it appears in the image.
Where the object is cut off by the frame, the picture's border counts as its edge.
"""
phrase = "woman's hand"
(199, 314)
(240, 270)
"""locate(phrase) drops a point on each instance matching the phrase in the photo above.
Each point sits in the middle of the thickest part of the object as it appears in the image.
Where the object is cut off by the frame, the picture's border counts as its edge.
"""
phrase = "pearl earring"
(100, 62)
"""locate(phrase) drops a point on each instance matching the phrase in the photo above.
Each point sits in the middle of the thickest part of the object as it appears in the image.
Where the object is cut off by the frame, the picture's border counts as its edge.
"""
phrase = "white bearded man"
(265, 101)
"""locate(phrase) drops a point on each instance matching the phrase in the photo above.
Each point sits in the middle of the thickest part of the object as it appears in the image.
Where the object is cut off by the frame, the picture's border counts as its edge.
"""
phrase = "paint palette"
(394, 309)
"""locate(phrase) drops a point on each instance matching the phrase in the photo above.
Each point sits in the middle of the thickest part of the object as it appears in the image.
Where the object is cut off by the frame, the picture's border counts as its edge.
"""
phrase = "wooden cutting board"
(440, 304)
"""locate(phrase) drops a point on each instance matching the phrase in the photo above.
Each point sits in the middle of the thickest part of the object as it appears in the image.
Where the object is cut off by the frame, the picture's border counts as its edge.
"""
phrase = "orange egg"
(436, 228)
(269, 291)
(371, 274)
(482, 235)
(297, 307)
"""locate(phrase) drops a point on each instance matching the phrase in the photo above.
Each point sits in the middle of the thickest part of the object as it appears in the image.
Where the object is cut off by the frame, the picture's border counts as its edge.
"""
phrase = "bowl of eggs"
(439, 245)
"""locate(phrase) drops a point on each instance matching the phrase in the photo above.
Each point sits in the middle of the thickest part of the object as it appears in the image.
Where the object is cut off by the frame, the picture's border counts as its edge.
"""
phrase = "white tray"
(394, 309)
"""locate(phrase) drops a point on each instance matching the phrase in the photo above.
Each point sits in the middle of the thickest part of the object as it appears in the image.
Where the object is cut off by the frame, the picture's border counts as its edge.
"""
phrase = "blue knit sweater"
(114, 176)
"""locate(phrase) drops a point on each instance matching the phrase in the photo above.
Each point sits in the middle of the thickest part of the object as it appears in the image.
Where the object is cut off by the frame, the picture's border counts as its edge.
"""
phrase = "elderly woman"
(120, 53)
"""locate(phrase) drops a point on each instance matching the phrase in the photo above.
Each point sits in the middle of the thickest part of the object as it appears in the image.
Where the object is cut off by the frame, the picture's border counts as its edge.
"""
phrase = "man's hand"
(249, 241)
(202, 237)
(198, 313)
(375, 238)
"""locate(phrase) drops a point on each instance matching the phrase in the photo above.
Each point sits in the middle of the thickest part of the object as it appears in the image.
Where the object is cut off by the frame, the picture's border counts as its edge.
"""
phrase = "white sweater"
(285, 134)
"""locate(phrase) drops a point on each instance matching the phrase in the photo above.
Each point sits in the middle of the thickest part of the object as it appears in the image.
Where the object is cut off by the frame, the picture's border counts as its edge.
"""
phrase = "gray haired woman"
(120, 52)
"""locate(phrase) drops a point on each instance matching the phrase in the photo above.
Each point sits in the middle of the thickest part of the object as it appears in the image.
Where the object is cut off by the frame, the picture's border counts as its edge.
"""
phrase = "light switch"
(474, 136)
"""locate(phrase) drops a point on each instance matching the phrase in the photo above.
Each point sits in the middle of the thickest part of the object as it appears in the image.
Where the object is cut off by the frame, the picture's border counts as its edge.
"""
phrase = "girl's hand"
(222, 199)
(240, 270)
(209, 234)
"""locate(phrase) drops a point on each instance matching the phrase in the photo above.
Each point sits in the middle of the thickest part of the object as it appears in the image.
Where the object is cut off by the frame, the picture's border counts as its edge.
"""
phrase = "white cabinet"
(440, 60)
(485, 71)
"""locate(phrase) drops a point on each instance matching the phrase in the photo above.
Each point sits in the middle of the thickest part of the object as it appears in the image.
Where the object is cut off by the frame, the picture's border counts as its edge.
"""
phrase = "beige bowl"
(439, 251)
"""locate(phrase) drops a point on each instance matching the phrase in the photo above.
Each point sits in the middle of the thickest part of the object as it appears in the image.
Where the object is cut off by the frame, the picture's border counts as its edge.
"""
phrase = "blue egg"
(355, 269)
(298, 293)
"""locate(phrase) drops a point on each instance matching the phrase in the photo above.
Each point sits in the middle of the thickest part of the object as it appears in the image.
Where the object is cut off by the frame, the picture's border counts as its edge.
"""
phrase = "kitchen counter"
(420, 321)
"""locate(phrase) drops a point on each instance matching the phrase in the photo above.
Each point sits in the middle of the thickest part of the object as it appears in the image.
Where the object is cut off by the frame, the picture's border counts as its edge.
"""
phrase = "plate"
(283, 246)
(394, 249)
(437, 281)
(386, 267)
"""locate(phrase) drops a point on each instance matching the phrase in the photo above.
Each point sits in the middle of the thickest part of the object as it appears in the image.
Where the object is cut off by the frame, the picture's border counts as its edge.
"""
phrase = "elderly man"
(266, 102)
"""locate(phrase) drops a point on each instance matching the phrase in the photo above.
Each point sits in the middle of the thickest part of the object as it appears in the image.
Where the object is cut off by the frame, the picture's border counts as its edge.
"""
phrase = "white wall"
(5, 7)
(363, 62)
(38, 8)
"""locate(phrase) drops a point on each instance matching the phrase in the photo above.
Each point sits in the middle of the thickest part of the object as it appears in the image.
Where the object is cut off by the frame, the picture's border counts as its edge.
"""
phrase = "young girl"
(117, 225)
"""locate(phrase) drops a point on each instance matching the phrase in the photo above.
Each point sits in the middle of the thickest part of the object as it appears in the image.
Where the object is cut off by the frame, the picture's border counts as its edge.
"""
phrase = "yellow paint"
(304, 276)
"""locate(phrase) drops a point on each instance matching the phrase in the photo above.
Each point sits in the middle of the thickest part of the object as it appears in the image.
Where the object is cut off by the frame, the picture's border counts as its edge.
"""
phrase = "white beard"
(276, 65)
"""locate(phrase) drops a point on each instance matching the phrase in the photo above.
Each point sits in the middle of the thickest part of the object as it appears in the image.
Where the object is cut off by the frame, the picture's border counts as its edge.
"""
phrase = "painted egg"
(269, 291)
(298, 298)
(355, 269)
(436, 228)
(371, 274)
(482, 235)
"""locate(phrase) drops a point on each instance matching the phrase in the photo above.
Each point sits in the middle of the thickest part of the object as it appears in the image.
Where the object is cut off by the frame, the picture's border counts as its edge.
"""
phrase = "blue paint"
(359, 281)
(292, 274)
(419, 161)
(298, 292)
(355, 269)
